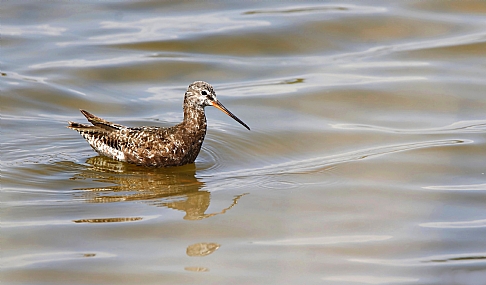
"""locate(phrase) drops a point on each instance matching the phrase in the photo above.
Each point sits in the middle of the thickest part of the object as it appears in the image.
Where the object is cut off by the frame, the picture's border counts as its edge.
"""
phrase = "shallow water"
(365, 162)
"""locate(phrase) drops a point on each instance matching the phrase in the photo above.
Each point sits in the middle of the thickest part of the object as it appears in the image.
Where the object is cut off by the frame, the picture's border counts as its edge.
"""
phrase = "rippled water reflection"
(365, 162)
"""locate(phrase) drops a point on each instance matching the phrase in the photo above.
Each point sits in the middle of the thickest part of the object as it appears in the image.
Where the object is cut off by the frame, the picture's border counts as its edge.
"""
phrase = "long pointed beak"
(220, 106)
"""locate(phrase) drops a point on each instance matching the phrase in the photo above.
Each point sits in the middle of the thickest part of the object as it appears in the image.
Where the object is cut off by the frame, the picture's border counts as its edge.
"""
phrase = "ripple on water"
(280, 184)
(321, 163)
(276, 171)
(318, 9)
(168, 28)
(477, 126)
(223, 150)
(470, 187)
(328, 240)
(368, 279)
(456, 225)
(51, 257)
(436, 260)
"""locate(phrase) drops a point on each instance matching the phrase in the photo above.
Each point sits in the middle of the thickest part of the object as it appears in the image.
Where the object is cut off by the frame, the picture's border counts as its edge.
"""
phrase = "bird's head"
(201, 94)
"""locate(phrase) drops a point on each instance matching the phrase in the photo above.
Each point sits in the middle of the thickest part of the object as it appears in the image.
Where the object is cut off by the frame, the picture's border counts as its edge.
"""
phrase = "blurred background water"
(365, 163)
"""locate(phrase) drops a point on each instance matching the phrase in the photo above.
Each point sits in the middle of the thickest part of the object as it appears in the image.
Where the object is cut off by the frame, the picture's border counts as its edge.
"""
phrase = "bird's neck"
(194, 117)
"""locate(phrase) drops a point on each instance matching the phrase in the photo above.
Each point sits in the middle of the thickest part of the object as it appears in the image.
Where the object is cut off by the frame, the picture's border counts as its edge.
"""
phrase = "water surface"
(365, 162)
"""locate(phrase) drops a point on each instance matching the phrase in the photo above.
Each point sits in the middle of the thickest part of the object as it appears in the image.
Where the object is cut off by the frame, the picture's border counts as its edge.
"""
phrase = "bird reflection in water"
(202, 248)
(175, 188)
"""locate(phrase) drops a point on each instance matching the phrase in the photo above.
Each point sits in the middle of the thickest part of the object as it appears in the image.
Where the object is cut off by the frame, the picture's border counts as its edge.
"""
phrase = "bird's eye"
(204, 92)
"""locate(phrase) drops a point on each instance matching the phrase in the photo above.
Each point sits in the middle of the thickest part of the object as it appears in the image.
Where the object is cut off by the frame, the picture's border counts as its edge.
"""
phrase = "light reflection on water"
(365, 163)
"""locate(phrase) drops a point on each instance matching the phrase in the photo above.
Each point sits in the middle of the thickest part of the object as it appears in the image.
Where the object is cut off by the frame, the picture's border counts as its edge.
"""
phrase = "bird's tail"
(81, 127)
(99, 125)
(99, 122)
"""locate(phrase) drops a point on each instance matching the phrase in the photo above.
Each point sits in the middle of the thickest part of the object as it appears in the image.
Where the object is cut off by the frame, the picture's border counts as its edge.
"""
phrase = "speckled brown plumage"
(156, 146)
